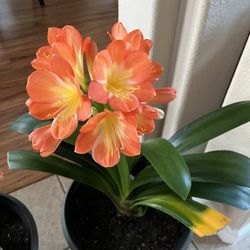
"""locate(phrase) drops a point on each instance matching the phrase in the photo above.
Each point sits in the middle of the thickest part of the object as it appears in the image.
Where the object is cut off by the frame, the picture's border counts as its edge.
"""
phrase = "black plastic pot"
(69, 220)
(23, 215)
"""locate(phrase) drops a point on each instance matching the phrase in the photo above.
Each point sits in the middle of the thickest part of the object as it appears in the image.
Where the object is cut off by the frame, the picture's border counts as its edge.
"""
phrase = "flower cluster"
(109, 89)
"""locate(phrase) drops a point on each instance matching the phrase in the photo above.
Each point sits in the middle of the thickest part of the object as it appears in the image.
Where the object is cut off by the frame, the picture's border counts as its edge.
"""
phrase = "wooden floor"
(23, 29)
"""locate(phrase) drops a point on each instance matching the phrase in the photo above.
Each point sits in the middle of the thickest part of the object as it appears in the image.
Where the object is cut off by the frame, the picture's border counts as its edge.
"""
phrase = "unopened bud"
(161, 114)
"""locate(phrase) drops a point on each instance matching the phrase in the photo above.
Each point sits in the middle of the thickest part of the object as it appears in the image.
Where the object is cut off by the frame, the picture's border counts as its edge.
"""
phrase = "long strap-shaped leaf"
(201, 219)
(55, 165)
(146, 176)
(66, 150)
(220, 166)
(169, 164)
(25, 124)
(232, 195)
(124, 175)
(211, 125)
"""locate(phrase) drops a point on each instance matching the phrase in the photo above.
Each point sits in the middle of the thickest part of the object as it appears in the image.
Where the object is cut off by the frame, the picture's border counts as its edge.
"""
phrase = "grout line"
(61, 184)
(195, 245)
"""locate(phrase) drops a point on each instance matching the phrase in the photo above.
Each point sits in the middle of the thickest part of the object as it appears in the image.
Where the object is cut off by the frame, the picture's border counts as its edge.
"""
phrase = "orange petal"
(131, 144)
(61, 68)
(135, 38)
(97, 92)
(91, 52)
(145, 92)
(45, 86)
(43, 141)
(139, 64)
(156, 71)
(101, 64)
(118, 31)
(43, 58)
(125, 105)
(93, 121)
(85, 142)
(145, 125)
(84, 111)
(41, 63)
(56, 35)
(149, 111)
(65, 51)
(103, 155)
(164, 95)
(147, 45)
(63, 128)
(74, 38)
(117, 51)
(43, 111)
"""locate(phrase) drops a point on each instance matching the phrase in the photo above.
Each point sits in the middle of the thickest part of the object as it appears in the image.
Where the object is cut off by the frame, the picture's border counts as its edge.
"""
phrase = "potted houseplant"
(89, 109)
(18, 228)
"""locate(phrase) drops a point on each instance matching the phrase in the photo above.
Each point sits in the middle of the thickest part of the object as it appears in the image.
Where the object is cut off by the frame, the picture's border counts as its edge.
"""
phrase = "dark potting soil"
(95, 224)
(13, 232)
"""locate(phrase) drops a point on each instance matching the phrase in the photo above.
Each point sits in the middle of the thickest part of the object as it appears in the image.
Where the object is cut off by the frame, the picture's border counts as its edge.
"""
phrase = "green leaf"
(54, 165)
(219, 166)
(132, 161)
(211, 125)
(232, 195)
(199, 218)
(25, 124)
(66, 150)
(124, 174)
(146, 176)
(169, 164)
(114, 175)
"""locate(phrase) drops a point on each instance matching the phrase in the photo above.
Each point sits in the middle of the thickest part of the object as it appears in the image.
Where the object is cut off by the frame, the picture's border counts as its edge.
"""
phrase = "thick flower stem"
(124, 209)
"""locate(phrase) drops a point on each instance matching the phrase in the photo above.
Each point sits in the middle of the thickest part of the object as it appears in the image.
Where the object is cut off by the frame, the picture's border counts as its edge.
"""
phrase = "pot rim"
(26, 217)
(183, 243)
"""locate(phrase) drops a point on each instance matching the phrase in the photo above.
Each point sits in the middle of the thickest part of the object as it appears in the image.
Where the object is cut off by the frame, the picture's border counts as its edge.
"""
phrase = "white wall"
(237, 140)
(211, 41)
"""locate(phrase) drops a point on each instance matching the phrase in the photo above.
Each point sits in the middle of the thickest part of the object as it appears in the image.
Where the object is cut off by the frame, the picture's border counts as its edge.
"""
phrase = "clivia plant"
(87, 112)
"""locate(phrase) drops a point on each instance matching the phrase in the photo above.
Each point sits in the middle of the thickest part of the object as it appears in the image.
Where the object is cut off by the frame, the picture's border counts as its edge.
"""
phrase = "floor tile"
(44, 200)
(65, 182)
(214, 243)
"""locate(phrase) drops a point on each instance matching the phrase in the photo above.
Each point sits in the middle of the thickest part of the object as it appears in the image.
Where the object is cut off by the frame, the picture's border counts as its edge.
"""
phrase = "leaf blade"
(124, 175)
(54, 165)
(232, 195)
(201, 219)
(170, 165)
(211, 125)
(219, 166)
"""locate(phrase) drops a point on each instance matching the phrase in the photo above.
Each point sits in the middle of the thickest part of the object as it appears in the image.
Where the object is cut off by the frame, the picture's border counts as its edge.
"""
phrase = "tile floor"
(44, 199)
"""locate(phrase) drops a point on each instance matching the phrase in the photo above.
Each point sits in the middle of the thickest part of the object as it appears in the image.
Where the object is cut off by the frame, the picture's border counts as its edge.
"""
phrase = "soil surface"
(13, 233)
(94, 223)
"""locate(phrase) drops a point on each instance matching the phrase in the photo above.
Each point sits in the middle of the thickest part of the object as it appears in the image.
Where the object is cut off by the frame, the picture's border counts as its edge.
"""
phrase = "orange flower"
(134, 38)
(43, 141)
(107, 134)
(117, 75)
(143, 118)
(56, 94)
(69, 45)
